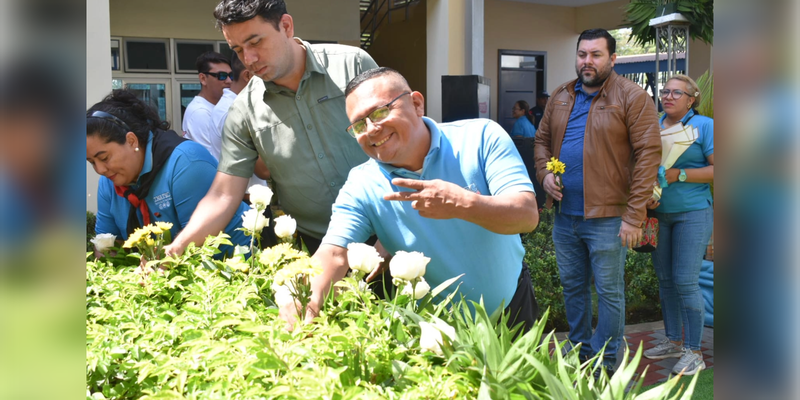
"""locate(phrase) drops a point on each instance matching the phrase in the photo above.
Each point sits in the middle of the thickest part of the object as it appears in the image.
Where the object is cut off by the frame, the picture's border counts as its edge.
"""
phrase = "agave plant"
(700, 14)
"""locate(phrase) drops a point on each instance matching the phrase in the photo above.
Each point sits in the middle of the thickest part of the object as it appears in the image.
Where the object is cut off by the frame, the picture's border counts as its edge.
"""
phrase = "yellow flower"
(149, 241)
(237, 264)
(164, 225)
(134, 238)
(555, 166)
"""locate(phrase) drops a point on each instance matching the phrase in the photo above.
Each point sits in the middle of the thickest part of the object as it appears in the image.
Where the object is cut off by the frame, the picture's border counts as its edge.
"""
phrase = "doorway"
(522, 74)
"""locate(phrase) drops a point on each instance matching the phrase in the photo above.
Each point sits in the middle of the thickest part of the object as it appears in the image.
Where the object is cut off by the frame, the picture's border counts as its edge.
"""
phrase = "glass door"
(154, 91)
(186, 88)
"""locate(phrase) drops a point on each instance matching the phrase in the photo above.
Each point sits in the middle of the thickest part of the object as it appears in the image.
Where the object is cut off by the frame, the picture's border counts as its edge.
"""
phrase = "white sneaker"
(689, 364)
(664, 349)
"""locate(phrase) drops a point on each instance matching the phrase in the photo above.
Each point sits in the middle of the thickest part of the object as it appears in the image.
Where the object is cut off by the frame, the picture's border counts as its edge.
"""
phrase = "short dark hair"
(592, 34)
(237, 67)
(371, 74)
(133, 113)
(234, 11)
(205, 60)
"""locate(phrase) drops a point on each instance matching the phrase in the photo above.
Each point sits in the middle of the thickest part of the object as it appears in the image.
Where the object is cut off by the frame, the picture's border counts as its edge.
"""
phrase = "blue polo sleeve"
(707, 137)
(104, 222)
(349, 220)
(503, 166)
(193, 171)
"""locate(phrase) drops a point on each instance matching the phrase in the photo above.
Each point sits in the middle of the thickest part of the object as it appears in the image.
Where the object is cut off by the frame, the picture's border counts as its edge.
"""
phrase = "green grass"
(703, 390)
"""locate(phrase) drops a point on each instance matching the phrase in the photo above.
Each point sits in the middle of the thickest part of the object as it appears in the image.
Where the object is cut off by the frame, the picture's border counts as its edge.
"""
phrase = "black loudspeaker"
(465, 97)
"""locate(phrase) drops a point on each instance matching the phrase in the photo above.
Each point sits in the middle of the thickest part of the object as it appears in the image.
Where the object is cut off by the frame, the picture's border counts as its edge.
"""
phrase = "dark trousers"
(523, 307)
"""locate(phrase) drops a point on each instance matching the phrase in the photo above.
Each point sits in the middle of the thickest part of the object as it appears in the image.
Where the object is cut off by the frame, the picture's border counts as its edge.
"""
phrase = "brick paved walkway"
(648, 334)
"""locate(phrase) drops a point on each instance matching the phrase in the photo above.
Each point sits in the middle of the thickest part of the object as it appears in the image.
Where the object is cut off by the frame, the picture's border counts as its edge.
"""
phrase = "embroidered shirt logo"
(163, 200)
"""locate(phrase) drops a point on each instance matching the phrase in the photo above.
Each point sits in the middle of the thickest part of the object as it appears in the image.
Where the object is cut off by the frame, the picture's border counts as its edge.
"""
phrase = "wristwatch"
(682, 176)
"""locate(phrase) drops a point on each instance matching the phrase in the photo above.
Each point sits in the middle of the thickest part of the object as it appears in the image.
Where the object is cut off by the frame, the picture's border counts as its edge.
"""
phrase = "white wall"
(194, 19)
(98, 74)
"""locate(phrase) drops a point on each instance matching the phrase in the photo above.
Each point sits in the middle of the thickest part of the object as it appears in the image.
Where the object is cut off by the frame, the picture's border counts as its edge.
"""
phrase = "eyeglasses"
(222, 75)
(111, 118)
(379, 114)
(676, 94)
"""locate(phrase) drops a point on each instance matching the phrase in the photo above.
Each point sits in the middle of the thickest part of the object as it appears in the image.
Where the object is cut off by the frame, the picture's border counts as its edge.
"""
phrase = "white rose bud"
(419, 291)
(260, 196)
(285, 226)
(253, 220)
(283, 295)
(363, 257)
(104, 241)
(431, 337)
(408, 266)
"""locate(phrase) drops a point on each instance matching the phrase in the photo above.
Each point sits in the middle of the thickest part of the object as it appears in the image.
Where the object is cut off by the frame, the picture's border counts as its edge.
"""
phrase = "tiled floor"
(647, 335)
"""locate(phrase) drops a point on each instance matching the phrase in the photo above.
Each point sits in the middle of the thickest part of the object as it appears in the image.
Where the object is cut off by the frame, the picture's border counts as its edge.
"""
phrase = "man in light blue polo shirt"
(457, 192)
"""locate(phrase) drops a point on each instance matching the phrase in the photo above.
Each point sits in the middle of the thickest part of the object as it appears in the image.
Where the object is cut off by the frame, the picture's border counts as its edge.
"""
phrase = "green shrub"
(91, 219)
(641, 283)
(199, 329)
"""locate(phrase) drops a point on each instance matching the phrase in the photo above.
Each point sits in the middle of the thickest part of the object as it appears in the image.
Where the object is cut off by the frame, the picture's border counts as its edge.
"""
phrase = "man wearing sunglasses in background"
(214, 71)
(457, 192)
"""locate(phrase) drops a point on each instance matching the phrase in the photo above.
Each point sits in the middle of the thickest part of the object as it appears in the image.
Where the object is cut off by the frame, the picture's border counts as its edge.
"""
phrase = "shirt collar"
(436, 142)
(579, 88)
(684, 120)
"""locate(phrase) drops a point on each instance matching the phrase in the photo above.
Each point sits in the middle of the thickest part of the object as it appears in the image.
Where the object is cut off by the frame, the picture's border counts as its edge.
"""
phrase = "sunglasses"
(110, 118)
(379, 114)
(676, 94)
(220, 75)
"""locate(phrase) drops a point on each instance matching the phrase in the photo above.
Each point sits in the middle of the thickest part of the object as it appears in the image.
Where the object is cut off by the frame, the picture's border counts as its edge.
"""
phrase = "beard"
(597, 79)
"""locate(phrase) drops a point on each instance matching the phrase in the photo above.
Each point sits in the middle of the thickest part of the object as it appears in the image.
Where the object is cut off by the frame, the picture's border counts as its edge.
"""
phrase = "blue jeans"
(682, 241)
(585, 247)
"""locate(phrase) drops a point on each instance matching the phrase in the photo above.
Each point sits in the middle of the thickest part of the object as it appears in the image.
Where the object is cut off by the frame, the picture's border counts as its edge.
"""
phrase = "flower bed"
(198, 328)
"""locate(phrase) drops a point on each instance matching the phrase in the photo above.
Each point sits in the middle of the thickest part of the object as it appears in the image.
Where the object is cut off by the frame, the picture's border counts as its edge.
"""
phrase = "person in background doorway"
(523, 127)
(541, 103)
(685, 219)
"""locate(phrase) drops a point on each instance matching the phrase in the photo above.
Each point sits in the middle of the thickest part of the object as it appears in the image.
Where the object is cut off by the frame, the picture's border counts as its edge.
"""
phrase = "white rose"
(419, 291)
(104, 241)
(260, 196)
(253, 220)
(363, 257)
(285, 226)
(283, 294)
(431, 337)
(408, 266)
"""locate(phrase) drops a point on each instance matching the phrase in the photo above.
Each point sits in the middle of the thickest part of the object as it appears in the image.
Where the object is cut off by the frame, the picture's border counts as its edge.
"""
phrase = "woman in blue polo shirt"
(523, 127)
(149, 173)
(685, 216)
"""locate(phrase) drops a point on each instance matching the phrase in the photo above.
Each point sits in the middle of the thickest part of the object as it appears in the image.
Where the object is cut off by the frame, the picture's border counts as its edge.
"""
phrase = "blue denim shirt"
(572, 152)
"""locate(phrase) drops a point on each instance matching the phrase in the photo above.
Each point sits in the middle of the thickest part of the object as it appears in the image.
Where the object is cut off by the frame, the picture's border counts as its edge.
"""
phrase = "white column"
(98, 74)
(438, 61)
(474, 33)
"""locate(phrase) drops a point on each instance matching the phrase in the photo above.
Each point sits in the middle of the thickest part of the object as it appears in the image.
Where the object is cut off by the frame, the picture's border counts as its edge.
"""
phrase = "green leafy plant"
(700, 14)
(706, 85)
(205, 328)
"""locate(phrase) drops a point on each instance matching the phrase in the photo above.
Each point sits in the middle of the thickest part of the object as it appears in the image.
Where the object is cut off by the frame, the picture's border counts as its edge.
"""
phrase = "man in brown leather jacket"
(605, 129)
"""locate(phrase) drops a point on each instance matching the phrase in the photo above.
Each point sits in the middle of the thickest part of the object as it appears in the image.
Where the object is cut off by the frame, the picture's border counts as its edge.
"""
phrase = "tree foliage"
(700, 14)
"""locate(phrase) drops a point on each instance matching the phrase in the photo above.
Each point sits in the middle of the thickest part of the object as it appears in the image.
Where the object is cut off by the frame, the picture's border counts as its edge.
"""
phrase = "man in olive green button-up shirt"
(292, 114)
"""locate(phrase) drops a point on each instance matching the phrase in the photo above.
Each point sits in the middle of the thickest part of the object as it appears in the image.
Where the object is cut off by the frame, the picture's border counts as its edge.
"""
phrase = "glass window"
(187, 53)
(188, 91)
(512, 61)
(116, 84)
(146, 55)
(225, 50)
(115, 55)
(153, 94)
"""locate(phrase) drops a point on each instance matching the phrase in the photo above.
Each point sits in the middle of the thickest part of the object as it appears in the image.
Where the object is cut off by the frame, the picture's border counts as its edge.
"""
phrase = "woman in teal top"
(524, 125)
(685, 216)
(149, 173)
